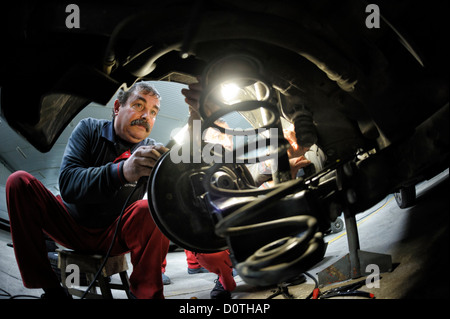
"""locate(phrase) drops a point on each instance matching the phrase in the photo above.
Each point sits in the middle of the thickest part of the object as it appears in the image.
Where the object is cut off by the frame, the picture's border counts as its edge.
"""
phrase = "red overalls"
(34, 210)
(218, 263)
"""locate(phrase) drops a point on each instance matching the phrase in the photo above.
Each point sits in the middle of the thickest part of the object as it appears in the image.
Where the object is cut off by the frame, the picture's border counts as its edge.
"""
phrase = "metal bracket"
(353, 265)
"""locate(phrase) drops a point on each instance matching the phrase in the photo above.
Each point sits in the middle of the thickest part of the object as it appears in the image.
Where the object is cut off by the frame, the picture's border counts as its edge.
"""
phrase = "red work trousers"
(220, 264)
(192, 260)
(35, 211)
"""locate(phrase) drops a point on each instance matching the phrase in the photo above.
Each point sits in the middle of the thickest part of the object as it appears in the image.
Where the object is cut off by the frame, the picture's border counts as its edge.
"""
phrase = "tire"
(406, 196)
(337, 226)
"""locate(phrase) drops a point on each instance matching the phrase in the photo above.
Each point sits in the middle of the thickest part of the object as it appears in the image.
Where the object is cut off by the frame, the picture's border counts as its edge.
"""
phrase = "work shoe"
(166, 279)
(219, 292)
(193, 271)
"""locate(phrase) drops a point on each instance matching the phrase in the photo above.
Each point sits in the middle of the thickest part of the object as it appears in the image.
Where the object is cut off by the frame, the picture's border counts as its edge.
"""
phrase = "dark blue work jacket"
(91, 179)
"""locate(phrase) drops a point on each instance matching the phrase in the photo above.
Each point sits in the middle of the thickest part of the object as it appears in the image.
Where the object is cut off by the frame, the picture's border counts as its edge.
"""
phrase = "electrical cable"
(139, 183)
(7, 294)
(315, 292)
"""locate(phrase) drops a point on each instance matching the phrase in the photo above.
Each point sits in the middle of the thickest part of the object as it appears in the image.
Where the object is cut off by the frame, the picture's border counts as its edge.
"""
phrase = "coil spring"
(286, 257)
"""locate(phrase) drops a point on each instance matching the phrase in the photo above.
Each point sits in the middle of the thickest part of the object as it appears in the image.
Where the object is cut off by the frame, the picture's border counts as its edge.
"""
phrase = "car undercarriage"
(373, 97)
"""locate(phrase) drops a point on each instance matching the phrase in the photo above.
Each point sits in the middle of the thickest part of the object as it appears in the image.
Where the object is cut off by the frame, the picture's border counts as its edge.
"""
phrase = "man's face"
(134, 121)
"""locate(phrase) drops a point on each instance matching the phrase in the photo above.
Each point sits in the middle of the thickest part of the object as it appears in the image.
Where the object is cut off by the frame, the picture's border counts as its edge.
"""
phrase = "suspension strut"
(273, 237)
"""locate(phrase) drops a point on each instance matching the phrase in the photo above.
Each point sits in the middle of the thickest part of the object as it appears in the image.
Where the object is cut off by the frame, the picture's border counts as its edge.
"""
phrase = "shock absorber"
(304, 127)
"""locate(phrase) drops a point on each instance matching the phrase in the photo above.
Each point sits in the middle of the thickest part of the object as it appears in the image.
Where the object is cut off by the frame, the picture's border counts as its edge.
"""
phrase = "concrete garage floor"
(416, 238)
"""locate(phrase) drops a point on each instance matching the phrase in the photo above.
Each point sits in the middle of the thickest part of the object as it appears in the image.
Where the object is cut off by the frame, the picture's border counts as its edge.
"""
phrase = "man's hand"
(294, 150)
(297, 163)
(192, 97)
(142, 161)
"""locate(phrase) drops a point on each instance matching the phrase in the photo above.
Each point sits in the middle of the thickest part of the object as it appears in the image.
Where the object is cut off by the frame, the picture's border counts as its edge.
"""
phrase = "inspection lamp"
(235, 83)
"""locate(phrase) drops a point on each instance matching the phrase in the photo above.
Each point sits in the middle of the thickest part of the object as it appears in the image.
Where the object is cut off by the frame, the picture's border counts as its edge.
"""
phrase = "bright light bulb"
(229, 91)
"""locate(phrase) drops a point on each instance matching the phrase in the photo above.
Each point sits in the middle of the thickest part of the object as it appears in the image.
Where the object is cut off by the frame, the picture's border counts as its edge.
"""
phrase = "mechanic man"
(101, 166)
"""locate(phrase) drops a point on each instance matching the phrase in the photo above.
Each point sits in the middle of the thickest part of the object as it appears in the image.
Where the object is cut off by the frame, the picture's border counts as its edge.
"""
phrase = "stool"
(89, 265)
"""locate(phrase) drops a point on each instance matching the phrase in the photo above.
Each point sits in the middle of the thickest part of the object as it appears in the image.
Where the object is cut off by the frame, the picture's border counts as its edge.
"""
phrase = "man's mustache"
(141, 122)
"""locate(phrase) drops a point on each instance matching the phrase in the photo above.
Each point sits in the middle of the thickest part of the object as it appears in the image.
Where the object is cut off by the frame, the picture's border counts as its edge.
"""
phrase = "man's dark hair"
(145, 87)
